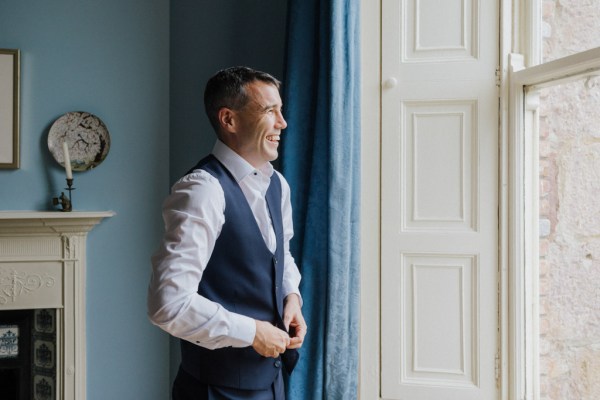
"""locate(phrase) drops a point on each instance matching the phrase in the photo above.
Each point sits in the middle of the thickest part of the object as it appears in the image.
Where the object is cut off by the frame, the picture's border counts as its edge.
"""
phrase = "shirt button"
(277, 364)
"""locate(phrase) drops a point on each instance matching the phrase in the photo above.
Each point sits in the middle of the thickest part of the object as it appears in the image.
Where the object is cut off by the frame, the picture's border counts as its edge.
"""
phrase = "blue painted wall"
(110, 58)
(141, 67)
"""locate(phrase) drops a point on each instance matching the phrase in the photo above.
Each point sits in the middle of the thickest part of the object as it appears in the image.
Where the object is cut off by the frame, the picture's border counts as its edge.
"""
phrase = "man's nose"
(281, 121)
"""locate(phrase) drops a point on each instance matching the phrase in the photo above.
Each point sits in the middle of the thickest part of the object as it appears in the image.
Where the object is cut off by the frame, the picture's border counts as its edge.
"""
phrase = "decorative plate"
(86, 136)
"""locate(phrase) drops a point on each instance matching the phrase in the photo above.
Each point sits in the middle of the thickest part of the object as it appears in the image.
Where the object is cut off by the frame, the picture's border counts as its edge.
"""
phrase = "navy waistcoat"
(246, 278)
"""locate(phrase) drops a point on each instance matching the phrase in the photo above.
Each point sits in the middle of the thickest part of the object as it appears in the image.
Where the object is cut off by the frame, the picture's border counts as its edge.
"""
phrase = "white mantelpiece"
(42, 265)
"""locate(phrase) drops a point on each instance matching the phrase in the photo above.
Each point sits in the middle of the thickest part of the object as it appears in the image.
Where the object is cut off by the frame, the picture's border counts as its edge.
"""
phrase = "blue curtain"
(321, 160)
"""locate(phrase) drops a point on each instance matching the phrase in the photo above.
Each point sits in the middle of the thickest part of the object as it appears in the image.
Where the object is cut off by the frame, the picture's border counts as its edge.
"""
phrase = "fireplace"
(42, 303)
(28, 354)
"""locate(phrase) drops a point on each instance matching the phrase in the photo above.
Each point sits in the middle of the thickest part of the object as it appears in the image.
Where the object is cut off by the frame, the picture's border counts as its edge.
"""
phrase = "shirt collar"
(237, 165)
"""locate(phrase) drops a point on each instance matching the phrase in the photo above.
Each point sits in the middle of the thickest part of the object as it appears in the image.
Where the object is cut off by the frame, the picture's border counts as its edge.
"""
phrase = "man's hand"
(269, 340)
(294, 321)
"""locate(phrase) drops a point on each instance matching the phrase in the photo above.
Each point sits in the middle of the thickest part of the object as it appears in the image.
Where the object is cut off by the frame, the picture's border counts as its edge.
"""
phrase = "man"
(223, 279)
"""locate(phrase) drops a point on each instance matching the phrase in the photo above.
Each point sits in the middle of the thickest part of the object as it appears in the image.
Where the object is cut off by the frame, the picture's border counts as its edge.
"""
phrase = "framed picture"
(9, 108)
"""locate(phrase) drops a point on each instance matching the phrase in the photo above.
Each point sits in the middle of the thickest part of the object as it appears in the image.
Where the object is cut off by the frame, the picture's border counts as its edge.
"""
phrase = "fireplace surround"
(43, 266)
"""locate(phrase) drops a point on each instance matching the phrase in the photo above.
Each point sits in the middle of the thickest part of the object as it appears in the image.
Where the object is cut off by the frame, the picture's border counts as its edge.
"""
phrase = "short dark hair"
(227, 88)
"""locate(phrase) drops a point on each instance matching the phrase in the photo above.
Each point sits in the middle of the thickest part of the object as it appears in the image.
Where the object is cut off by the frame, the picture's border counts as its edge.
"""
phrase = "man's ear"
(226, 119)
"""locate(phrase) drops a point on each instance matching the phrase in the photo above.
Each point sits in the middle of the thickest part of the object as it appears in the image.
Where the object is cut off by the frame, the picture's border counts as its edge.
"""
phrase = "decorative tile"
(9, 341)
(45, 320)
(44, 354)
(43, 388)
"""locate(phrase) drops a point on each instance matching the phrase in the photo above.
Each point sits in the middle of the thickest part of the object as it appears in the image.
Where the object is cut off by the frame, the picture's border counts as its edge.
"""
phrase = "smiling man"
(223, 279)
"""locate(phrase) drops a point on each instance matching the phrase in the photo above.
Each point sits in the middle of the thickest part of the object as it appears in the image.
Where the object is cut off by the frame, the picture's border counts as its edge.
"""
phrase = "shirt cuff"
(243, 330)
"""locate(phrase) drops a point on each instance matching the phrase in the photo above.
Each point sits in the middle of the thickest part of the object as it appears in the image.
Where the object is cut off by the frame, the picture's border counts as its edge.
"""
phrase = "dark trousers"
(186, 387)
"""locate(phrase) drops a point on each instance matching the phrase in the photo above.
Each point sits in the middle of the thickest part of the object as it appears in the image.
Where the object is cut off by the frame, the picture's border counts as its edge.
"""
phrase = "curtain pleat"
(321, 160)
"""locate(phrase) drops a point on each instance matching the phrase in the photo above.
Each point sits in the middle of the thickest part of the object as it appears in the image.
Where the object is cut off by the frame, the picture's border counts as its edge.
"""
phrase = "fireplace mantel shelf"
(53, 215)
(50, 221)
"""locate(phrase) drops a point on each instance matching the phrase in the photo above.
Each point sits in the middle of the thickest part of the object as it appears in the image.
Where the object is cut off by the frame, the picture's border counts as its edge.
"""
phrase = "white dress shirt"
(193, 217)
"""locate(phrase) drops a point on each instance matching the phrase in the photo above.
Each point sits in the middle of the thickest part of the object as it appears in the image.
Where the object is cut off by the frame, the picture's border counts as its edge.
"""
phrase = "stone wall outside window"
(569, 147)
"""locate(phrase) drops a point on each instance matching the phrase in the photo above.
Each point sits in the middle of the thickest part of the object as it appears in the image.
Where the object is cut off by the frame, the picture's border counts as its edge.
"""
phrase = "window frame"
(523, 76)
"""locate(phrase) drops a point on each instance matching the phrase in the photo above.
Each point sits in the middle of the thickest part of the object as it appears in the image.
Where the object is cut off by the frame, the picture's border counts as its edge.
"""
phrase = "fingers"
(295, 343)
(294, 321)
(281, 347)
(269, 340)
(298, 339)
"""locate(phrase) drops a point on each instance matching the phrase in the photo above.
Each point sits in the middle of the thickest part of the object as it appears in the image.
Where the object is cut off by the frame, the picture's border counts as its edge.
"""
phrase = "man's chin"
(272, 155)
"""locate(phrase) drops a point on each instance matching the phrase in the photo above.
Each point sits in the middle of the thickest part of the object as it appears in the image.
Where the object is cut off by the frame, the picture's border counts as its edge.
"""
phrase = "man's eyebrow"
(265, 107)
(273, 105)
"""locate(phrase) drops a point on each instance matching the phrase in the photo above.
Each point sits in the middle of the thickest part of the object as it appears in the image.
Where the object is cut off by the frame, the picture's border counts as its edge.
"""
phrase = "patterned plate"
(86, 136)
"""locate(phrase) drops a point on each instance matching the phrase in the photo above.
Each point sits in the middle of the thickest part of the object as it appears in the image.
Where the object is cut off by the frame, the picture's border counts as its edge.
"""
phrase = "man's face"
(259, 124)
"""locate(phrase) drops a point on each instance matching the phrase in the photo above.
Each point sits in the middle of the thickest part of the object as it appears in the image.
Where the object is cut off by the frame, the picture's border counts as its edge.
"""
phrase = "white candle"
(67, 161)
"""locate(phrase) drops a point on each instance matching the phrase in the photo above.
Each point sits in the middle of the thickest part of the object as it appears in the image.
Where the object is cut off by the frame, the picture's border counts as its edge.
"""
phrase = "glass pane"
(569, 227)
(569, 26)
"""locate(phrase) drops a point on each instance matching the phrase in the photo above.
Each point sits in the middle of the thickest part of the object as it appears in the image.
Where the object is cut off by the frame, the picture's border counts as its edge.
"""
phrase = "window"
(553, 219)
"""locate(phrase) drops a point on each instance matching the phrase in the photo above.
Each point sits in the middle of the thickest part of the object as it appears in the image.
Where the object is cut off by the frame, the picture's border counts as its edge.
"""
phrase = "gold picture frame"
(9, 108)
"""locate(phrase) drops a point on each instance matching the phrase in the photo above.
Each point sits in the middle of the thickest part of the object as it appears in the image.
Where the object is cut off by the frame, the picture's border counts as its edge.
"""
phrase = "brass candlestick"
(65, 202)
